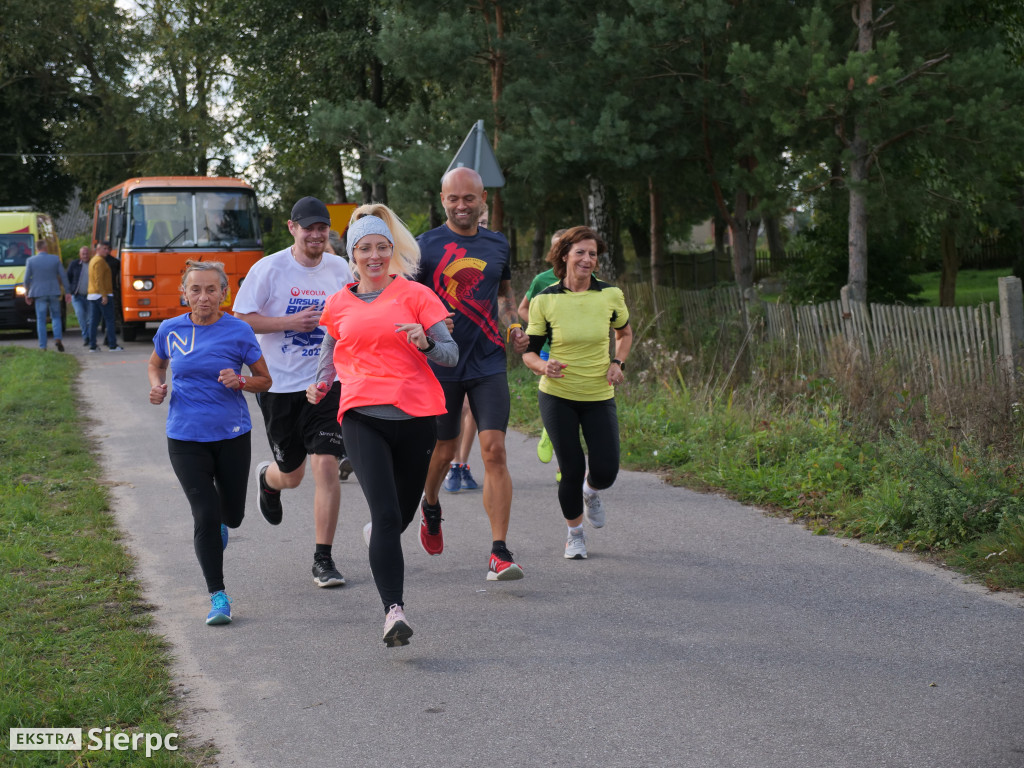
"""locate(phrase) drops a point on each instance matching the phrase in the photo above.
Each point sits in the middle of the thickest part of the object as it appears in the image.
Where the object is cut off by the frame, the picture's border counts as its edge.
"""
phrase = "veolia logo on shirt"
(307, 292)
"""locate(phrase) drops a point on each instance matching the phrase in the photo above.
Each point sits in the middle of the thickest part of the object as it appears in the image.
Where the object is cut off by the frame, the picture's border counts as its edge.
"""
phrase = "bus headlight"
(141, 284)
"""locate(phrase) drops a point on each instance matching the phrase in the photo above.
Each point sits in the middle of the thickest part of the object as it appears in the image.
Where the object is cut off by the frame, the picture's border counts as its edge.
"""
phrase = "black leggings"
(563, 420)
(390, 459)
(214, 477)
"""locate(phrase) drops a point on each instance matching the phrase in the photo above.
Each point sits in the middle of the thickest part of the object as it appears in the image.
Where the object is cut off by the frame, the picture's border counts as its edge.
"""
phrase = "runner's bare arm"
(508, 316)
(304, 321)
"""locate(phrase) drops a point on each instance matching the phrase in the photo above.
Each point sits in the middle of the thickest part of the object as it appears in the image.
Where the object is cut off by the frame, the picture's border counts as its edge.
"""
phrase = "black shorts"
(296, 428)
(489, 401)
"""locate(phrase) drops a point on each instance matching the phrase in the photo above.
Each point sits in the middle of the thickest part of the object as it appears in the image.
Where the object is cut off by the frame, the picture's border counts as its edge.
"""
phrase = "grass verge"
(75, 634)
(810, 454)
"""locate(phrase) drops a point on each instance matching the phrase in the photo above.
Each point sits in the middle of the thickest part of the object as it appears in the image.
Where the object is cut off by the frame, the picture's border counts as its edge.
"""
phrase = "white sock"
(577, 530)
(587, 489)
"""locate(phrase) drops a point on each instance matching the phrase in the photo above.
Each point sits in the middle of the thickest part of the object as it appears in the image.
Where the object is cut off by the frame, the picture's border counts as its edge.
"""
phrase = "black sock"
(322, 550)
(498, 547)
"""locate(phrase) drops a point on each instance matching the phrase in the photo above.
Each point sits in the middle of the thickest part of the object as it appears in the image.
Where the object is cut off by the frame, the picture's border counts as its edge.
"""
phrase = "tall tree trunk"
(496, 61)
(950, 266)
(745, 225)
(599, 217)
(496, 217)
(657, 235)
(640, 234)
(744, 229)
(541, 245)
(857, 240)
(720, 227)
(338, 181)
(773, 234)
(380, 186)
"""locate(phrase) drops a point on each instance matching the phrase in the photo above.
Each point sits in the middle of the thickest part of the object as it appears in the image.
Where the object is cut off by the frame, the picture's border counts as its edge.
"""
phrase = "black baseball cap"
(309, 211)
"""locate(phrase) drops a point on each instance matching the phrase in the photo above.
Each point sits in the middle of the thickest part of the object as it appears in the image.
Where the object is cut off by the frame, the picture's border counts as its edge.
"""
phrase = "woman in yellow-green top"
(578, 380)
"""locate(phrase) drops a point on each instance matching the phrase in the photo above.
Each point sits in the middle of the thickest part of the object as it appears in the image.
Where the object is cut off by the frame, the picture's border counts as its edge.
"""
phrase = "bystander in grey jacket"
(44, 275)
(46, 285)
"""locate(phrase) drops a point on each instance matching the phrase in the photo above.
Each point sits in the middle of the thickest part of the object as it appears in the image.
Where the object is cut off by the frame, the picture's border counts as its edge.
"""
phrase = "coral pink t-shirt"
(375, 364)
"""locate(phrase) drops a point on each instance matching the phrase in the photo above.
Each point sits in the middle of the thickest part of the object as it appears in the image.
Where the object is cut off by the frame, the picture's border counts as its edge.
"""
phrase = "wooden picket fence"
(952, 345)
(694, 308)
(956, 346)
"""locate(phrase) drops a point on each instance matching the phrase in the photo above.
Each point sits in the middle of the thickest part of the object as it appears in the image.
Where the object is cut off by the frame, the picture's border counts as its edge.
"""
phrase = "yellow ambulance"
(20, 228)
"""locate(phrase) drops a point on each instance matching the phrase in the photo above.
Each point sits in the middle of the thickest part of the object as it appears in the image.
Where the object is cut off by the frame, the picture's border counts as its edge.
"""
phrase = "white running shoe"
(576, 546)
(593, 510)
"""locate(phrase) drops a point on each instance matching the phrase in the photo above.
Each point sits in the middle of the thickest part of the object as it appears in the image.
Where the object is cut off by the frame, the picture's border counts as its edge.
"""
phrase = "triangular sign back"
(476, 153)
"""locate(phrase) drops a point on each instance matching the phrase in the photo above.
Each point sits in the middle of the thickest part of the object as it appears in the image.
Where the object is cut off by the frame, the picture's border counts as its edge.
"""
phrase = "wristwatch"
(622, 365)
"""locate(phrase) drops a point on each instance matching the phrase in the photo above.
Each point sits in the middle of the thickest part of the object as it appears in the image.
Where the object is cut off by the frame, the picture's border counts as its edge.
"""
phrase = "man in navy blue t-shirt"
(469, 268)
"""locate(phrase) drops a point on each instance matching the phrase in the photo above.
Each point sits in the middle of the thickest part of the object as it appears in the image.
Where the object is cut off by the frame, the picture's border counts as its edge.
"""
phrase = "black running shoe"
(344, 468)
(325, 574)
(269, 499)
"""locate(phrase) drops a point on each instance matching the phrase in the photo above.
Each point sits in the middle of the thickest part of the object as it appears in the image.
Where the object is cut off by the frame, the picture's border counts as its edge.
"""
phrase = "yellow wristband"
(508, 331)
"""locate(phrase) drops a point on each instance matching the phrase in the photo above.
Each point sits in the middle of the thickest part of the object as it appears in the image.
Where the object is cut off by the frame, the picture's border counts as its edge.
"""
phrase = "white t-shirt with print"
(277, 285)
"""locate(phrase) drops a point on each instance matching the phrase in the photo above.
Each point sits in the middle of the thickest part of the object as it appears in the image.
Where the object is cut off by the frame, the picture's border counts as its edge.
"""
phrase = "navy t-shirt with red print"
(466, 273)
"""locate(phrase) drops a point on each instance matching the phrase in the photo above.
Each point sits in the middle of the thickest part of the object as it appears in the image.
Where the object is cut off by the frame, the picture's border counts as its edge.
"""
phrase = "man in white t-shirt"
(282, 298)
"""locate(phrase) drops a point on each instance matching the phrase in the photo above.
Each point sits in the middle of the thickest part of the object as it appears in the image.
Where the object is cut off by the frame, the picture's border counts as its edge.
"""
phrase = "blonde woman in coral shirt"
(380, 332)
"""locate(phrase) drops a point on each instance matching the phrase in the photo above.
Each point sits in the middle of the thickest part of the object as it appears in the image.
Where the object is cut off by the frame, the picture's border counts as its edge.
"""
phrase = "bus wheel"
(129, 331)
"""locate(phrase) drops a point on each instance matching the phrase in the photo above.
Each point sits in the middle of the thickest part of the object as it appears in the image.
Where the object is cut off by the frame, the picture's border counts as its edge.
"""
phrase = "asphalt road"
(699, 633)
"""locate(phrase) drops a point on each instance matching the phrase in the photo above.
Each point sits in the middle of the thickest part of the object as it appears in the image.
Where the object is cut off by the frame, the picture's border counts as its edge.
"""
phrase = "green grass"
(973, 286)
(803, 454)
(76, 637)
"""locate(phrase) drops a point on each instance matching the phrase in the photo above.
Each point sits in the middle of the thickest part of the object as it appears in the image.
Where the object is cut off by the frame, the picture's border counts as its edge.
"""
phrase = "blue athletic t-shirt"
(466, 273)
(201, 408)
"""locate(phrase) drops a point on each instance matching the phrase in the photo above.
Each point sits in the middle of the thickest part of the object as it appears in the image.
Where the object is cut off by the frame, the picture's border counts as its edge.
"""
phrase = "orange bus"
(155, 224)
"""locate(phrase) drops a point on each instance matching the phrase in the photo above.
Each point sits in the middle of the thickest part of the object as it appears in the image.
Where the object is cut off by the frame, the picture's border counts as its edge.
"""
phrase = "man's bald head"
(464, 199)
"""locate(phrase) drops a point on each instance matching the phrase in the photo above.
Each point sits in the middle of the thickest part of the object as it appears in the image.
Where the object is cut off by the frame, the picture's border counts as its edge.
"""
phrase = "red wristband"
(241, 381)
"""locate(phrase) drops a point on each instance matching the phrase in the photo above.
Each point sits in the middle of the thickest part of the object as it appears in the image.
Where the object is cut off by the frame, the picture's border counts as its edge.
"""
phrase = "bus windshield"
(15, 250)
(197, 218)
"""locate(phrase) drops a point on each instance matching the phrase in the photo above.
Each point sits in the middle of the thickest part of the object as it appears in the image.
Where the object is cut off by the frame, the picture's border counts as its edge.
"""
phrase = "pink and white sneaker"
(396, 629)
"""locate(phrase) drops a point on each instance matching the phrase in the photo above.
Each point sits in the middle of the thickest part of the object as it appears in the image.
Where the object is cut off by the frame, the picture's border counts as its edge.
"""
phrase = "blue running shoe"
(220, 613)
(453, 480)
(468, 483)
(224, 536)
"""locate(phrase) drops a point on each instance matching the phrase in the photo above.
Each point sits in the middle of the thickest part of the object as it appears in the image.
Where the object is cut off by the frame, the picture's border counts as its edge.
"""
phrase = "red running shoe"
(431, 538)
(503, 568)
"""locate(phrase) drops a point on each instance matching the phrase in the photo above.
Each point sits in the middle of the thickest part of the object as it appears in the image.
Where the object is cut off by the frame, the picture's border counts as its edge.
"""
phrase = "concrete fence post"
(1011, 325)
